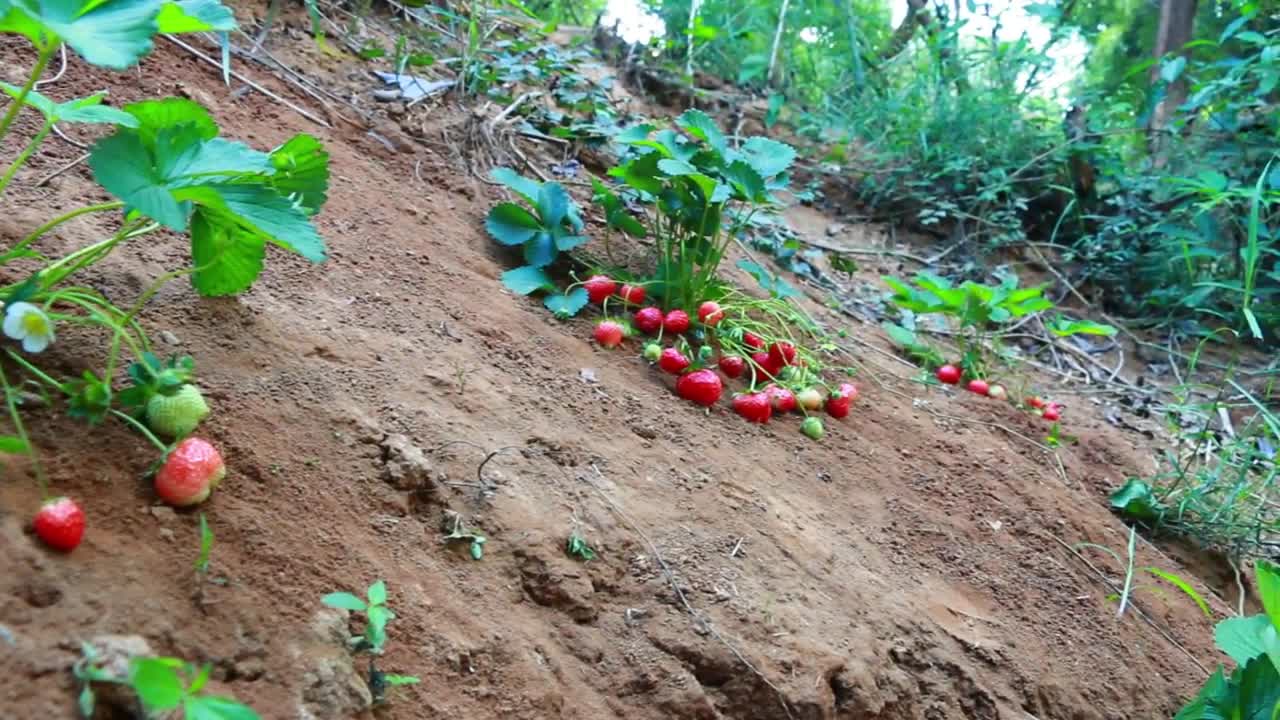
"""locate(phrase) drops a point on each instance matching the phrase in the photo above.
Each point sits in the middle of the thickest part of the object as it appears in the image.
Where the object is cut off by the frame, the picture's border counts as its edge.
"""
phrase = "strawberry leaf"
(525, 280)
(377, 593)
(83, 110)
(156, 115)
(568, 304)
(522, 186)
(156, 683)
(540, 250)
(344, 601)
(276, 219)
(112, 34)
(553, 204)
(302, 171)
(212, 707)
(511, 224)
(700, 125)
(187, 16)
(768, 157)
(227, 258)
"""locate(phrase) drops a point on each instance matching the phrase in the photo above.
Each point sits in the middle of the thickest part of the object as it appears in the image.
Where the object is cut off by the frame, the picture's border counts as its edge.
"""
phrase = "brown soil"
(908, 566)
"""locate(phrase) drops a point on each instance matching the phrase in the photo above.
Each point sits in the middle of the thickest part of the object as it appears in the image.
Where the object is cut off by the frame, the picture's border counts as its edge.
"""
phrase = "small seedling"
(457, 531)
(163, 685)
(380, 682)
(578, 548)
(376, 614)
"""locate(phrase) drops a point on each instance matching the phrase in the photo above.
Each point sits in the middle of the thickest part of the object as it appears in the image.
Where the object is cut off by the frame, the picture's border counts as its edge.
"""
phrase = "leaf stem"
(11, 403)
(40, 231)
(25, 155)
(16, 106)
(164, 449)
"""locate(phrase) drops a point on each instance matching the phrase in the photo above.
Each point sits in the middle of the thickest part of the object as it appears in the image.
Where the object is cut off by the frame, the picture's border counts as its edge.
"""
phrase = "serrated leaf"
(700, 125)
(768, 157)
(676, 168)
(156, 683)
(261, 210)
(302, 171)
(378, 593)
(567, 304)
(522, 186)
(120, 164)
(82, 110)
(525, 280)
(156, 115)
(1135, 500)
(1241, 637)
(510, 224)
(746, 181)
(553, 204)
(540, 250)
(1268, 576)
(114, 34)
(344, 601)
(566, 241)
(188, 16)
(227, 257)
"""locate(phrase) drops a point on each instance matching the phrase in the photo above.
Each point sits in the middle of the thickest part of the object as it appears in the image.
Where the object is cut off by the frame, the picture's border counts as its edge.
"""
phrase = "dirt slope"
(905, 567)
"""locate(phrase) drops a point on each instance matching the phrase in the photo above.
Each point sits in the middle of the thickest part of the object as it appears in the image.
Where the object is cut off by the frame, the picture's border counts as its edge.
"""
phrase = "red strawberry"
(782, 354)
(781, 399)
(732, 366)
(1052, 412)
(979, 387)
(839, 402)
(709, 313)
(676, 322)
(633, 294)
(599, 287)
(190, 473)
(765, 361)
(673, 361)
(60, 524)
(752, 341)
(949, 374)
(608, 334)
(701, 387)
(648, 320)
(754, 407)
(1035, 402)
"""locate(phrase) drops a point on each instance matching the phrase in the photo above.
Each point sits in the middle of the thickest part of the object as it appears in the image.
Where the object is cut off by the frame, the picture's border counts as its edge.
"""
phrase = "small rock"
(113, 654)
(167, 534)
(169, 338)
(835, 229)
(395, 109)
(387, 95)
(163, 513)
(332, 688)
(588, 375)
(404, 465)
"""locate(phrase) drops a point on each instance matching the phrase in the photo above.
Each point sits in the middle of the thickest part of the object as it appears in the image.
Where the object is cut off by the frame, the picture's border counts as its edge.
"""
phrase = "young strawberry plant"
(164, 687)
(549, 226)
(374, 639)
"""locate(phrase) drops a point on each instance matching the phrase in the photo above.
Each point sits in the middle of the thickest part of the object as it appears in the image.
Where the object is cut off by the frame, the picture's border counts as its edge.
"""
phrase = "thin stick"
(671, 579)
(512, 107)
(1136, 609)
(61, 170)
(304, 113)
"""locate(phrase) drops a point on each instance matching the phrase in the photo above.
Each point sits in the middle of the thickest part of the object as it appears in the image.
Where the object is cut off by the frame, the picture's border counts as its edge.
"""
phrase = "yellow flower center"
(35, 324)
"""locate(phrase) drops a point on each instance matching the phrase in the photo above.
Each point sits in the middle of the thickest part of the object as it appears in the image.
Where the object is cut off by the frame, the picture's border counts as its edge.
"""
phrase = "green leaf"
(525, 280)
(86, 700)
(13, 445)
(113, 34)
(378, 593)
(82, 110)
(212, 707)
(523, 186)
(206, 545)
(344, 601)
(120, 164)
(1269, 589)
(260, 209)
(1241, 638)
(566, 242)
(1062, 327)
(899, 335)
(540, 250)
(1184, 586)
(188, 16)
(746, 181)
(700, 125)
(1135, 500)
(676, 168)
(568, 304)
(553, 204)
(395, 680)
(774, 285)
(768, 157)
(1257, 691)
(477, 549)
(302, 171)
(1215, 692)
(156, 115)
(227, 257)
(510, 224)
(156, 683)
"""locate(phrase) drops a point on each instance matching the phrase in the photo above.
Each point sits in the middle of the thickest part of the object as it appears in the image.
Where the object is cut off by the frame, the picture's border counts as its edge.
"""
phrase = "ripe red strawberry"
(765, 363)
(648, 320)
(979, 387)
(782, 354)
(632, 294)
(839, 401)
(676, 322)
(1052, 412)
(709, 313)
(673, 361)
(781, 399)
(60, 524)
(809, 399)
(599, 287)
(752, 341)
(1035, 402)
(732, 366)
(949, 374)
(608, 334)
(190, 473)
(701, 387)
(754, 407)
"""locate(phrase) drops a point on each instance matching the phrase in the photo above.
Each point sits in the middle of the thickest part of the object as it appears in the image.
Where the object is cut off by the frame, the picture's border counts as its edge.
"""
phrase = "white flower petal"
(36, 343)
(13, 324)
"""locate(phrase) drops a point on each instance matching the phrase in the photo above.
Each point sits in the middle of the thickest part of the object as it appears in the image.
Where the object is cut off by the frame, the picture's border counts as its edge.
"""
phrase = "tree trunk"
(777, 40)
(917, 14)
(855, 46)
(693, 20)
(1177, 23)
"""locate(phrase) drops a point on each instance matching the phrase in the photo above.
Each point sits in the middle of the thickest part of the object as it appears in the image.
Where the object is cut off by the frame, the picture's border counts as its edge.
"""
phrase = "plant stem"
(40, 231)
(25, 155)
(16, 106)
(11, 403)
(142, 429)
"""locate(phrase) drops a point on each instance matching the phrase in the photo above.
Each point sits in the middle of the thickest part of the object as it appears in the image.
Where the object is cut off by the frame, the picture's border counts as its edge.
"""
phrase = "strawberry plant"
(374, 639)
(549, 226)
(164, 686)
(578, 548)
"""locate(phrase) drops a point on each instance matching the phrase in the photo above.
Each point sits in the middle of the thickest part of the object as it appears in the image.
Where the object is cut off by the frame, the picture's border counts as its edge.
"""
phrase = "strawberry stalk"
(164, 449)
(11, 403)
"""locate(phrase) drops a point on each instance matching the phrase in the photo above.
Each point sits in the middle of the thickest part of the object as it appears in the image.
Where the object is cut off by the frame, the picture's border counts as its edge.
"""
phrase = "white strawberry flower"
(28, 323)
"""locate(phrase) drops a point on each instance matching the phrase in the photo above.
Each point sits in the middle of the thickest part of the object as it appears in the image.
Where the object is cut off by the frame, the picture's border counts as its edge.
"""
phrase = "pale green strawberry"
(178, 414)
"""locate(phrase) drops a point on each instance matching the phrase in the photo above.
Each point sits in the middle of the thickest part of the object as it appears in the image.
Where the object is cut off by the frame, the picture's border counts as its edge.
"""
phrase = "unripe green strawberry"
(178, 414)
(812, 427)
